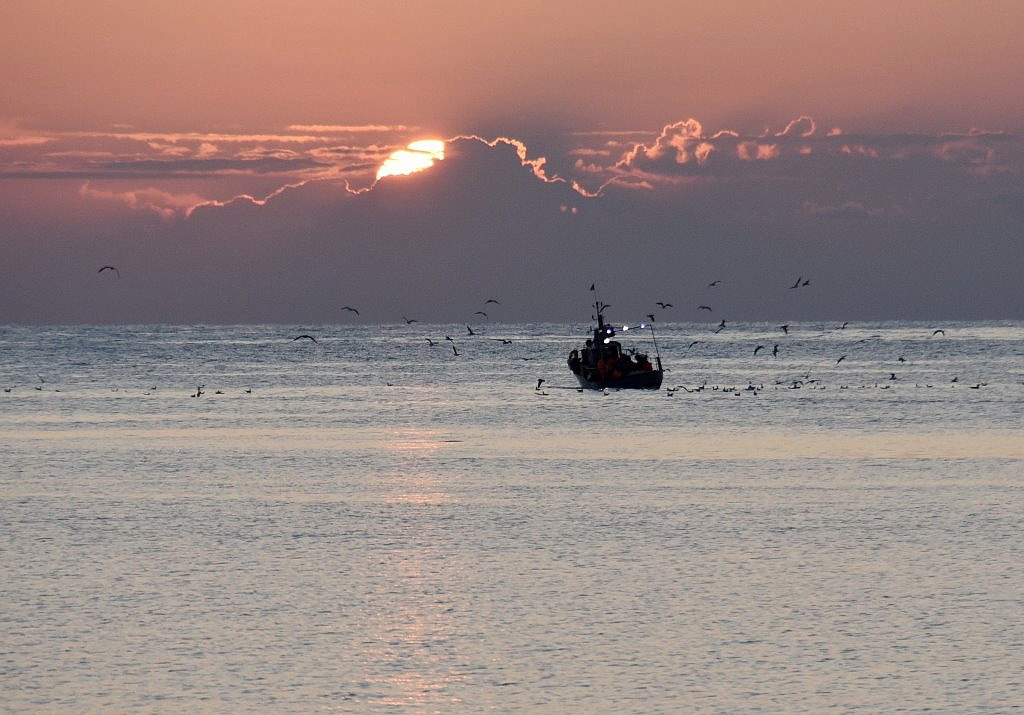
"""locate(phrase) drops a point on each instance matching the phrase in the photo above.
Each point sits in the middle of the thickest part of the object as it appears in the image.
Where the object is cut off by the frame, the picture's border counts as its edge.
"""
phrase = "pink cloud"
(162, 203)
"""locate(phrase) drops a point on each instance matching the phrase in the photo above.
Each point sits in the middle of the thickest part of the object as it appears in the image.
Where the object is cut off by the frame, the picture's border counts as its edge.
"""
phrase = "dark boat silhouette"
(602, 363)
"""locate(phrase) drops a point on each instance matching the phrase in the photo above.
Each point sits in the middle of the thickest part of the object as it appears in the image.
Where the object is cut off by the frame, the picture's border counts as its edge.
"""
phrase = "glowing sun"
(417, 156)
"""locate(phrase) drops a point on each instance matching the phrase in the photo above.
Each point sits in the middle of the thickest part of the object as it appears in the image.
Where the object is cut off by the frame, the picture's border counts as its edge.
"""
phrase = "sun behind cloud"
(417, 156)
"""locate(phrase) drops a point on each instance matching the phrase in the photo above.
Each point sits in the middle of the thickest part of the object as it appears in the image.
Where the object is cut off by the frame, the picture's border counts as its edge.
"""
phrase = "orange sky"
(449, 65)
(221, 153)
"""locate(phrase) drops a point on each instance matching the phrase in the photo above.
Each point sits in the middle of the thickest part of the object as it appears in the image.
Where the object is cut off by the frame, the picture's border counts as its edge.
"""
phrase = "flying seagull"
(491, 300)
(712, 284)
(455, 350)
(431, 342)
(469, 331)
(841, 358)
(110, 268)
(663, 305)
(480, 312)
(350, 309)
(704, 307)
(692, 344)
(409, 321)
(784, 328)
(797, 284)
(937, 331)
(759, 347)
(540, 381)
(307, 337)
(775, 350)
(721, 327)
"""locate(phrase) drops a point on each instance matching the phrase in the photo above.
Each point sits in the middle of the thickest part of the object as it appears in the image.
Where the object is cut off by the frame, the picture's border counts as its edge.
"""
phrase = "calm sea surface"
(370, 522)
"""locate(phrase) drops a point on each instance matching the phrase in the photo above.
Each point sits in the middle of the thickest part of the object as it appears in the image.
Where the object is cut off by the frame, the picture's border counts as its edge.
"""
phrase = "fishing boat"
(602, 363)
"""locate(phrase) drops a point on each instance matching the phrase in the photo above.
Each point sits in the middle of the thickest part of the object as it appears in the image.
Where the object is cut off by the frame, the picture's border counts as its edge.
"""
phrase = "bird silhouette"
(806, 282)
(469, 331)
(704, 307)
(937, 331)
(480, 312)
(663, 305)
(692, 344)
(712, 284)
(455, 350)
(721, 327)
(409, 321)
(841, 358)
(350, 309)
(449, 338)
(110, 268)
(775, 350)
(784, 328)
(540, 381)
(431, 342)
(797, 284)
(758, 348)
(307, 337)
(491, 300)
(651, 317)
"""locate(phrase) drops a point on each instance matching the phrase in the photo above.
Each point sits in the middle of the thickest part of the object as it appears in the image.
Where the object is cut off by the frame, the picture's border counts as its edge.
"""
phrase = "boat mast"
(657, 353)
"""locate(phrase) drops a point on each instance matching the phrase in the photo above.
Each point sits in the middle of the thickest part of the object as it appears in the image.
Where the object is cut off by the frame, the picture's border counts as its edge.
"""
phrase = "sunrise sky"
(254, 161)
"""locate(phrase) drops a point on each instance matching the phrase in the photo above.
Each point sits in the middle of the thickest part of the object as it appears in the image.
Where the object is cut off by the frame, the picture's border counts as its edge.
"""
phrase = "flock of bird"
(662, 305)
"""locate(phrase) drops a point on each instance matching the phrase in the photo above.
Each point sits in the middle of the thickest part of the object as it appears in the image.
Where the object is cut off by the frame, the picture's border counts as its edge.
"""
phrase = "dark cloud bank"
(918, 229)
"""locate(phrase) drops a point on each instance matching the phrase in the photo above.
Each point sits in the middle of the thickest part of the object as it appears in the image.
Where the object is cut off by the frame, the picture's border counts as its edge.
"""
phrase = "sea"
(239, 519)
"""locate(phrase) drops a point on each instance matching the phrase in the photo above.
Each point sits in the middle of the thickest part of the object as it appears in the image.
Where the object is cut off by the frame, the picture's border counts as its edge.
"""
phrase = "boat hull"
(634, 381)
